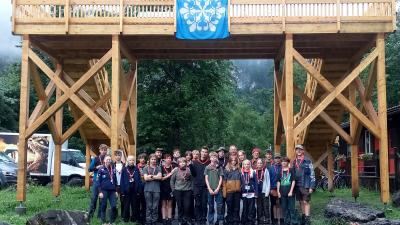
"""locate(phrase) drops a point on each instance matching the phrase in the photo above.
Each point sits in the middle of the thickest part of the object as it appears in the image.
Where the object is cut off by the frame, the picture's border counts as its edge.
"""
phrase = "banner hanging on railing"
(202, 19)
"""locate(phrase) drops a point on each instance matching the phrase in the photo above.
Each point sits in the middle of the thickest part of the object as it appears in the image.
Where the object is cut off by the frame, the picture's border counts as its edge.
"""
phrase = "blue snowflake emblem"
(202, 15)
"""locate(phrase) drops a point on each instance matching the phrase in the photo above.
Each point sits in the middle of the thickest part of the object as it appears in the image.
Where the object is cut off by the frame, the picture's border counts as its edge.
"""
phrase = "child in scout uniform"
(166, 192)
(263, 182)
(141, 201)
(249, 193)
(182, 189)
(285, 186)
(274, 172)
(199, 186)
(119, 166)
(107, 189)
(213, 177)
(152, 177)
(232, 191)
(130, 183)
(95, 164)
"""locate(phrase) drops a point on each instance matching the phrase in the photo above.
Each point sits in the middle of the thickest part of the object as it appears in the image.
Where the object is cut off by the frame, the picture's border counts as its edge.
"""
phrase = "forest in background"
(189, 104)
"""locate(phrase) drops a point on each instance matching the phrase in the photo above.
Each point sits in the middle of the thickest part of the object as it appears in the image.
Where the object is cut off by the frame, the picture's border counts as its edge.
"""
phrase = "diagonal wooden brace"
(69, 93)
(335, 93)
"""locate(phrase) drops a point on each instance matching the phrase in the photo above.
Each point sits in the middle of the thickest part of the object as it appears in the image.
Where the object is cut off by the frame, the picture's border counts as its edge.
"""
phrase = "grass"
(40, 199)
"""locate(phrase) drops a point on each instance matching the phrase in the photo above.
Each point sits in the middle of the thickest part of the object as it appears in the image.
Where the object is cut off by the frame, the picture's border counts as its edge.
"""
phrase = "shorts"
(165, 195)
(303, 194)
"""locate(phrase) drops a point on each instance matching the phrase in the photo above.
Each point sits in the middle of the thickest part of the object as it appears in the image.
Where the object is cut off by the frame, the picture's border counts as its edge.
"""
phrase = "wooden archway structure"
(328, 39)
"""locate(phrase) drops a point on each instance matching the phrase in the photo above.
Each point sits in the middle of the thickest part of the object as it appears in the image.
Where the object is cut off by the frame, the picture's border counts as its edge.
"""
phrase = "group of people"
(221, 187)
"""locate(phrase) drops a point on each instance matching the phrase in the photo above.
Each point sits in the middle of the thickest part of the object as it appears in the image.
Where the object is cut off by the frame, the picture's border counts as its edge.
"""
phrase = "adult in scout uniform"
(107, 189)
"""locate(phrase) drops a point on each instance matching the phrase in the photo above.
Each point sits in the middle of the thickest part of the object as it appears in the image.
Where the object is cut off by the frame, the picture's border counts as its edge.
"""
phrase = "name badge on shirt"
(247, 187)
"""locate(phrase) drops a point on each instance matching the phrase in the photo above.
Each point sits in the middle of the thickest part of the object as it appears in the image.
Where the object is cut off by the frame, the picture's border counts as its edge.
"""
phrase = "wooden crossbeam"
(68, 92)
(42, 104)
(331, 122)
(84, 117)
(335, 93)
(282, 101)
(131, 80)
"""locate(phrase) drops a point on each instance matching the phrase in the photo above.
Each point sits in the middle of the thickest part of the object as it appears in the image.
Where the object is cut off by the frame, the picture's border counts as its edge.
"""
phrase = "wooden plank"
(115, 85)
(382, 115)
(331, 122)
(289, 96)
(74, 88)
(84, 117)
(277, 114)
(67, 15)
(355, 186)
(23, 118)
(335, 93)
(57, 150)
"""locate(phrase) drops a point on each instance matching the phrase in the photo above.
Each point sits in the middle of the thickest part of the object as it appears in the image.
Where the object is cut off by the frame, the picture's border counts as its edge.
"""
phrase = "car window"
(5, 157)
(78, 156)
(64, 157)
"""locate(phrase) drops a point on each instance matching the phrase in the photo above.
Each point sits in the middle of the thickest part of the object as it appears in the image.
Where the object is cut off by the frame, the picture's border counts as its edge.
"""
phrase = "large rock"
(382, 221)
(4, 223)
(59, 217)
(351, 211)
(396, 199)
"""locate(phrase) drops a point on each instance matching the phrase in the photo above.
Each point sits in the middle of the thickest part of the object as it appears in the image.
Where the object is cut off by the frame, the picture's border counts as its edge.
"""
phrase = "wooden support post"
(289, 95)
(115, 78)
(87, 175)
(355, 186)
(23, 119)
(133, 117)
(382, 116)
(58, 144)
(277, 114)
(330, 168)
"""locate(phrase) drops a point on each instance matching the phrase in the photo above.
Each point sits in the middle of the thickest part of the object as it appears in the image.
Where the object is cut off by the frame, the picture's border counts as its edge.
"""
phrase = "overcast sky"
(7, 40)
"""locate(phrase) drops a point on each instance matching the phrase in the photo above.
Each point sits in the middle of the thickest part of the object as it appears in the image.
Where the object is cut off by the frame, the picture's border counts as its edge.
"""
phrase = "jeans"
(263, 209)
(200, 203)
(141, 208)
(129, 209)
(212, 199)
(233, 207)
(111, 196)
(184, 200)
(94, 199)
(249, 211)
(152, 201)
(288, 210)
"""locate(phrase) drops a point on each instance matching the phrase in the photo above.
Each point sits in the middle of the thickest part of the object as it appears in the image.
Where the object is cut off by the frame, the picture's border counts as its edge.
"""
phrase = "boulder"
(59, 217)
(351, 211)
(4, 223)
(396, 199)
(382, 221)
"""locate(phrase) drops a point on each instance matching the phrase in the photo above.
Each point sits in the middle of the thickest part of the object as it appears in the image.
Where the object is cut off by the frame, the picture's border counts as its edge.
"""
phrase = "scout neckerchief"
(297, 163)
(129, 172)
(203, 161)
(101, 160)
(246, 176)
(154, 170)
(260, 177)
(167, 169)
(180, 172)
(285, 179)
(110, 172)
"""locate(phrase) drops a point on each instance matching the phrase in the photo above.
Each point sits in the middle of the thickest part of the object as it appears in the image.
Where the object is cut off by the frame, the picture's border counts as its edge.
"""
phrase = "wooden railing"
(126, 12)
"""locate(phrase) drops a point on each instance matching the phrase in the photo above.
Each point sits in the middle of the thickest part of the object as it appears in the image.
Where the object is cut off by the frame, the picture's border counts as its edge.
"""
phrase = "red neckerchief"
(101, 160)
(180, 172)
(260, 177)
(246, 175)
(165, 169)
(296, 161)
(129, 172)
(203, 162)
(154, 170)
(110, 172)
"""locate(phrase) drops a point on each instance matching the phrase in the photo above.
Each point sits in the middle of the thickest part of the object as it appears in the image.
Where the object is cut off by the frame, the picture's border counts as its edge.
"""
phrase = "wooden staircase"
(319, 135)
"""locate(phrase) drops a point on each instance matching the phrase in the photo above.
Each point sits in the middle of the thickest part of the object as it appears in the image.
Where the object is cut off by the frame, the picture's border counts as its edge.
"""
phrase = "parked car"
(8, 168)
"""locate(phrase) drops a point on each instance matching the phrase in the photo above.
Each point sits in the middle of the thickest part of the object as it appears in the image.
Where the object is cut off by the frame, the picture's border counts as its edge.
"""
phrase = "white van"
(41, 158)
